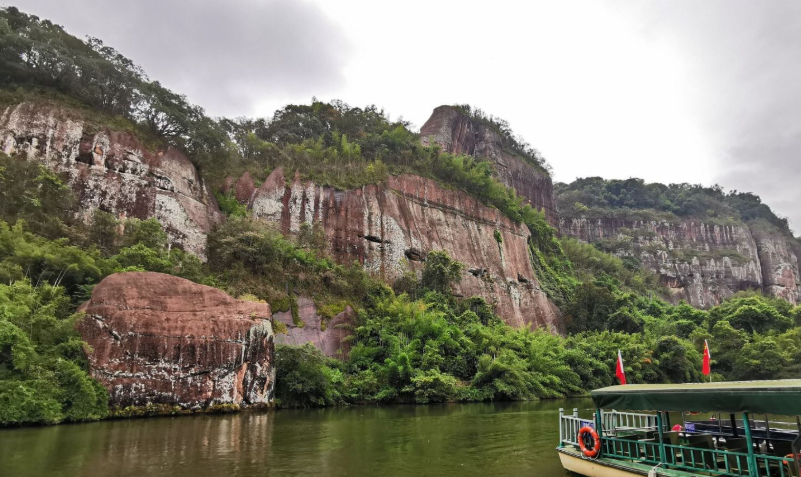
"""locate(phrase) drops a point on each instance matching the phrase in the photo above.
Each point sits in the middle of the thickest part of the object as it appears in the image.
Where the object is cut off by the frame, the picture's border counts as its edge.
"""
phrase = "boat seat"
(672, 437)
(781, 448)
(694, 439)
(735, 443)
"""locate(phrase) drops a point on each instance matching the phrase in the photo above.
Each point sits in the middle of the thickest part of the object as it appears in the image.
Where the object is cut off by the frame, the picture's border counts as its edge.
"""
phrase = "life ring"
(596, 441)
(792, 456)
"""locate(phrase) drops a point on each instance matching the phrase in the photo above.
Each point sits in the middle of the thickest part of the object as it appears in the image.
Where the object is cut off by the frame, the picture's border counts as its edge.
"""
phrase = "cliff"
(390, 227)
(113, 171)
(457, 133)
(702, 263)
(160, 339)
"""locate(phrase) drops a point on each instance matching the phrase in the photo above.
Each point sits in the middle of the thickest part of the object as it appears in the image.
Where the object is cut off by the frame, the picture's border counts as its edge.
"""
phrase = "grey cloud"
(745, 58)
(222, 55)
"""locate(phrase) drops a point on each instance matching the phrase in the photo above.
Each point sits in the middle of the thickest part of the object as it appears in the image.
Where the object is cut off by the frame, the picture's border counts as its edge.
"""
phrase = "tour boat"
(683, 430)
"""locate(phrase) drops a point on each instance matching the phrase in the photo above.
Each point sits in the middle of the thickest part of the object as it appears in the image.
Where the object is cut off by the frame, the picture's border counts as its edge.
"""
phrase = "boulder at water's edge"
(160, 339)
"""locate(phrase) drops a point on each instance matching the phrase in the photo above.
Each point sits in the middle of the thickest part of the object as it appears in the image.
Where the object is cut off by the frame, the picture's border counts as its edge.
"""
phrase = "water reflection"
(449, 439)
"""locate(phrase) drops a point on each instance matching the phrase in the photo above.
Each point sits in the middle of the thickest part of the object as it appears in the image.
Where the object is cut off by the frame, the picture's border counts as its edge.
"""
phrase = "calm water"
(496, 439)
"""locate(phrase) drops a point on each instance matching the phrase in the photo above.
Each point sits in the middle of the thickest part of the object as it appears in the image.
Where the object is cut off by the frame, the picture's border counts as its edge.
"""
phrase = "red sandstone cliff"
(390, 227)
(161, 339)
(113, 171)
(455, 132)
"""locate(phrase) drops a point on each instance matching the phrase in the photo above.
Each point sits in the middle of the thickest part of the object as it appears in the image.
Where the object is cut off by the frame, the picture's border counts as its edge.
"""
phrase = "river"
(487, 439)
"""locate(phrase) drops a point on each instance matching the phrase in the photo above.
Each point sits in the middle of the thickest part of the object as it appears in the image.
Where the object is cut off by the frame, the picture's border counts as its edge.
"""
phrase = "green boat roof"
(762, 397)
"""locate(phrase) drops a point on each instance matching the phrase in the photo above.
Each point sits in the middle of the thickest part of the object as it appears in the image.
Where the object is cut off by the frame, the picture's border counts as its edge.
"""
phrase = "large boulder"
(161, 339)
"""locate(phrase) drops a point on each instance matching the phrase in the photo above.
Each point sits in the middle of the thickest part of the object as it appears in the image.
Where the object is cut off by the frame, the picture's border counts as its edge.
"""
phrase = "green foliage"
(42, 370)
(441, 271)
(751, 313)
(597, 197)
(303, 378)
(31, 192)
(25, 255)
(37, 53)
(230, 206)
(510, 141)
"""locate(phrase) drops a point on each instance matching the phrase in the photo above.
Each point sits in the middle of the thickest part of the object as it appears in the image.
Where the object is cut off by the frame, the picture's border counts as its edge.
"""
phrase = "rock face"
(389, 228)
(244, 188)
(778, 256)
(701, 263)
(160, 339)
(327, 335)
(457, 133)
(113, 171)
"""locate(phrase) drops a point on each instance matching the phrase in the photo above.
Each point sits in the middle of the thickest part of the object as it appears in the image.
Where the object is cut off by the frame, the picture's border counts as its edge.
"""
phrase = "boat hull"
(594, 468)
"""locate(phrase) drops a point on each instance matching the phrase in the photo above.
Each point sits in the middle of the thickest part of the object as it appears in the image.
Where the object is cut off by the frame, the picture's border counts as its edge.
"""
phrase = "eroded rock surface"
(113, 171)
(701, 263)
(390, 227)
(161, 339)
(327, 335)
(457, 133)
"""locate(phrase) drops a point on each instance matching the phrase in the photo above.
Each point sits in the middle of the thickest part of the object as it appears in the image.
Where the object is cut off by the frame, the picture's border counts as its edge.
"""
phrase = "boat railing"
(696, 459)
(632, 420)
(569, 425)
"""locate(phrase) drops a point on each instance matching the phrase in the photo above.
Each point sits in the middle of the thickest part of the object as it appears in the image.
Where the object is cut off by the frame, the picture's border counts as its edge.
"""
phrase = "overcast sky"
(672, 91)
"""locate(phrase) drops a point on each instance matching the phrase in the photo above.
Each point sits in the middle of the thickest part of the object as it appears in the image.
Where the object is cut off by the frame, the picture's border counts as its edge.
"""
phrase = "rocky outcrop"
(244, 188)
(778, 255)
(700, 262)
(113, 171)
(161, 339)
(327, 335)
(456, 133)
(390, 227)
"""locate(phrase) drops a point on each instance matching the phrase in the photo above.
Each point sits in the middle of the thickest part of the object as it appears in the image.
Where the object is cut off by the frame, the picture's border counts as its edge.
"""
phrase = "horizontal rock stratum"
(161, 339)
(390, 227)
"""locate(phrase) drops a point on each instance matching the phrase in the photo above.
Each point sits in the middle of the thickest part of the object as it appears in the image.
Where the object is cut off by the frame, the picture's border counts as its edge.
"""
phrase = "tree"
(440, 271)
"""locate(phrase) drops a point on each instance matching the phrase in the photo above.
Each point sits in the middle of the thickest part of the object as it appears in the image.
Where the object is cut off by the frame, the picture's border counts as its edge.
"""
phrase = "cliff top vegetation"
(596, 197)
(511, 142)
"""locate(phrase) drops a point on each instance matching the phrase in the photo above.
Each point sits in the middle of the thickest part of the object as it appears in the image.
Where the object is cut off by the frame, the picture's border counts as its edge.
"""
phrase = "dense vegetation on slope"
(596, 197)
(413, 343)
(416, 344)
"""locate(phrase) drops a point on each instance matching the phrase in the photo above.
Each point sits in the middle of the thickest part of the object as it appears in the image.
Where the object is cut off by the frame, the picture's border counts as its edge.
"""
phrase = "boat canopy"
(762, 397)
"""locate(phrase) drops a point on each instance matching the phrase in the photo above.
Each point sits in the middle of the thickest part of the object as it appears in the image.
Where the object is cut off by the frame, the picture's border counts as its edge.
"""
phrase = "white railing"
(569, 426)
(614, 419)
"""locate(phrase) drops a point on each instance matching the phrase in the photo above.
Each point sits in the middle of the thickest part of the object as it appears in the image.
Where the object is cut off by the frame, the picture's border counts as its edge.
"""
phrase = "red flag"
(620, 372)
(705, 368)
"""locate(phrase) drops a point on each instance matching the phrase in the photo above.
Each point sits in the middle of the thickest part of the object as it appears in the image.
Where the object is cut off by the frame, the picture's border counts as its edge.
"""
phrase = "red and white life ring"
(596, 441)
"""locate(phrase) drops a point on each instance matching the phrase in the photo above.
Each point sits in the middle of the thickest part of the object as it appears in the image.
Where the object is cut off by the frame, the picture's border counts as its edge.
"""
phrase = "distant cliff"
(719, 244)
